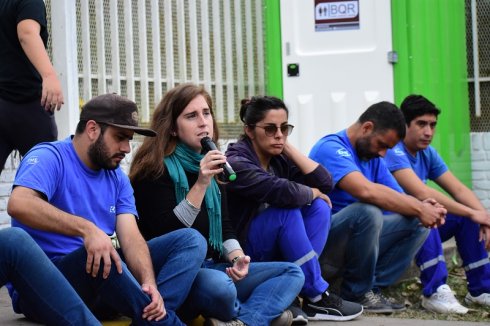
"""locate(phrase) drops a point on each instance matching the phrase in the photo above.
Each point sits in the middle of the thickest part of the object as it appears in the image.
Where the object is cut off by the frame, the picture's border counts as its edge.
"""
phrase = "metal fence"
(478, 45)
(141, 48)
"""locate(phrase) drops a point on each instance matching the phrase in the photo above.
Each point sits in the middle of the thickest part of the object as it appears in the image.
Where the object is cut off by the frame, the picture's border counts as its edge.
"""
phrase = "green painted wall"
(273, 55)
(430, 38)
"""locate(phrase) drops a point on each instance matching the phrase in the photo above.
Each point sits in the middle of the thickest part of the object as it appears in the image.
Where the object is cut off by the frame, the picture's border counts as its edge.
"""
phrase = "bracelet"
(234, 260)
(190, 204)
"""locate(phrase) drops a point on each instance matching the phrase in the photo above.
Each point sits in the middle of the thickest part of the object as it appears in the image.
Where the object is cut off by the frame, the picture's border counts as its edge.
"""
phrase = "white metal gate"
(141, 48)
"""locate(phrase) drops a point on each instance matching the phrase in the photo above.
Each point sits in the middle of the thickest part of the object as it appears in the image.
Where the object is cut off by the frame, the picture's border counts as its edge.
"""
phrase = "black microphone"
(208, 145)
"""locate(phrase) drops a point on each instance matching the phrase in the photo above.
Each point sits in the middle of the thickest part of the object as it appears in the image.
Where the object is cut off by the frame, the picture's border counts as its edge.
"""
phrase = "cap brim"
(142, 131)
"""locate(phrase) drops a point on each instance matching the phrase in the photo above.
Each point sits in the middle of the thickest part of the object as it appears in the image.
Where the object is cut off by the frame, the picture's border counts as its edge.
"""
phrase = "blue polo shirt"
(336, 153)
(427, 164)
(55, 170)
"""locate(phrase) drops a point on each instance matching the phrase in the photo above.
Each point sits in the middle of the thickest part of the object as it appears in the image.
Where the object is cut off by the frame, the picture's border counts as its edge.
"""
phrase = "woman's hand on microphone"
(210, 166)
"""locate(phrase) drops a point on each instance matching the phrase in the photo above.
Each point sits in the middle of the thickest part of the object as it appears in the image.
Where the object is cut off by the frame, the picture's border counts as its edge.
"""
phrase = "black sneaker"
(299, 316)
(331, 307)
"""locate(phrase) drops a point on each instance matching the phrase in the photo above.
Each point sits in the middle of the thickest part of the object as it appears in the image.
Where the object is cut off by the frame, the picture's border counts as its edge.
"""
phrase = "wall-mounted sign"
(333, 15)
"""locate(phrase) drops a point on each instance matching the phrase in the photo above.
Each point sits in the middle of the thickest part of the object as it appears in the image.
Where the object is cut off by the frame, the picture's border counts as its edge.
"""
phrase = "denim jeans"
(264, 294)
(430, 257)
(176, 257)
(41, 292)
(368, 249)
(297, 235)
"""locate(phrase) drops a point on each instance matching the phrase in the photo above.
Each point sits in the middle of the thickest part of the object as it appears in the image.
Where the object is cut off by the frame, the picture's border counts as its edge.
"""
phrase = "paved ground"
(8, 317)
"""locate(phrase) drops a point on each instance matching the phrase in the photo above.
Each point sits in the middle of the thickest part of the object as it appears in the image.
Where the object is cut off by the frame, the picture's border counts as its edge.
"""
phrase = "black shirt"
(19, 79)
(156, 200)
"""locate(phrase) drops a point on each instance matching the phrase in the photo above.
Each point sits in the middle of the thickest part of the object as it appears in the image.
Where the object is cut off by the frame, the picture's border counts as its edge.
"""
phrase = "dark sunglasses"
(270, 130)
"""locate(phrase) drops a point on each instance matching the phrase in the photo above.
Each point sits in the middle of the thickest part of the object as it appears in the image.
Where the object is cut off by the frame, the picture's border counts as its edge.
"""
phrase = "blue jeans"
(264, 294)
(176, 257)
(430, 257)
(41, 292)
(369, 249)
(296, 235)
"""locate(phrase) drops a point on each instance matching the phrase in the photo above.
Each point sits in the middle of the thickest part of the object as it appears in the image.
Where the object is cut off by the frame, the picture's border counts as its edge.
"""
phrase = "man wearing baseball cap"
(71, 196)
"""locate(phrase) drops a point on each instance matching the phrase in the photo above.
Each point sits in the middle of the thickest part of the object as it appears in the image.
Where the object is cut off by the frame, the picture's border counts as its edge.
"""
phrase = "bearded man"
(71, 196)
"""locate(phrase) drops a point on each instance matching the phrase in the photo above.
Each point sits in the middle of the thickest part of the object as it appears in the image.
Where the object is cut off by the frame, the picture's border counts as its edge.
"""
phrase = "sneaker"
(396, 306)
(375, 303)
(216, 322)
(331, 307)
(299, 316)
(285, 319)
(482, 299)
(443, 301)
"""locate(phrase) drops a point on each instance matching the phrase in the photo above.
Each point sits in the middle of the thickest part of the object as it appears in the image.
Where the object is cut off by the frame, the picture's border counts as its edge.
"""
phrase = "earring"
(173, 133)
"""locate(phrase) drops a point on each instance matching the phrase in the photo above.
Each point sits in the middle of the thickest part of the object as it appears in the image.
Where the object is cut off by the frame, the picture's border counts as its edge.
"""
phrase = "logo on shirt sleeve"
(112, 209)
(343, 152)
(399, 152)
(33, 160)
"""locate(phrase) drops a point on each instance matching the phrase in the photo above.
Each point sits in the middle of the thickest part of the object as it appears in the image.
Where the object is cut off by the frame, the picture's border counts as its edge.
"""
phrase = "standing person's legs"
(430, 260)
(23, 125)
(7, 131)
(5, 150)
(471, 250)
(36, 126)
(41, 291)
(177, 257)
(352, 248)
(280, 233)
(400, 239)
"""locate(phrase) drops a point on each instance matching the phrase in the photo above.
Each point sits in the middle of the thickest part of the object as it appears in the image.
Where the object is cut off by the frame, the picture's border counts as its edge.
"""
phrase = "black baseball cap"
(114, 110)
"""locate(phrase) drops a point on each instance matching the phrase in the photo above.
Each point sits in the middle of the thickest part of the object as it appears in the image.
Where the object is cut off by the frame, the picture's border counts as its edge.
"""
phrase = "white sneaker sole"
(320, 316)
(444, 310)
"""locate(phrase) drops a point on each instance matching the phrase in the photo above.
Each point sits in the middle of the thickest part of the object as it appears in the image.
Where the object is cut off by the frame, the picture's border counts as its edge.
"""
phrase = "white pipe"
(99, 26)
(143, 56)
(169, 44)
(157, 57)
(116, 70)
(206, 46)
(86, 61)
(476, 62)
(230, 89)
(194, 43)
(128, 37)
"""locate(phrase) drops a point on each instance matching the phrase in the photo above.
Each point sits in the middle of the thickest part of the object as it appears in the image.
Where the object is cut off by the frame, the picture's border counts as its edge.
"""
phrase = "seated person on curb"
(413, 161)
(367, 248)
(39, 283)
(71, 195)
(279, 204)
(176, 188)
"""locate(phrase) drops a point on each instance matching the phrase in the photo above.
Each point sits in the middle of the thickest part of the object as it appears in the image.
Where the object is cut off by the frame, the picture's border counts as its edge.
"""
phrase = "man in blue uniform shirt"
(71, 196)
(368, 247)
(413, 162)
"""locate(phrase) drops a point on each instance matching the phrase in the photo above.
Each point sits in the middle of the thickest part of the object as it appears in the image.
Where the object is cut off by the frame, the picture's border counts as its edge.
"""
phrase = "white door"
(340, 52)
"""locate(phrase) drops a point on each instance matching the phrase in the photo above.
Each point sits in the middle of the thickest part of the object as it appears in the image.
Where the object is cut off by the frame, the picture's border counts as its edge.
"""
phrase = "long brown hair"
(148, 160)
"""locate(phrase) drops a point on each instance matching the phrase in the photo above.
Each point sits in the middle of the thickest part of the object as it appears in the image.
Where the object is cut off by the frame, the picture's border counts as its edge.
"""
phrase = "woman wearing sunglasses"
(175, 187)
(279, 204)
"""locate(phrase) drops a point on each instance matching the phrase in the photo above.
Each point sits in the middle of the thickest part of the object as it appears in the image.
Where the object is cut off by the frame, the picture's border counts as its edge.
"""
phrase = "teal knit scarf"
(185, 159)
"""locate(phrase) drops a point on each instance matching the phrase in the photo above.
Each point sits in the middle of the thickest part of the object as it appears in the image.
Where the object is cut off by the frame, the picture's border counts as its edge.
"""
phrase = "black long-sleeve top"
(155, 202)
